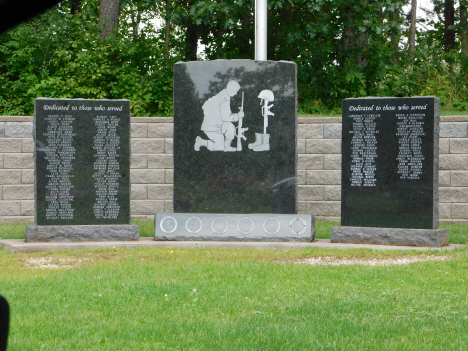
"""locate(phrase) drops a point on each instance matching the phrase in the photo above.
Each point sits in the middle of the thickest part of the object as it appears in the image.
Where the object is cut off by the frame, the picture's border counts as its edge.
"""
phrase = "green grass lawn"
(234, 299)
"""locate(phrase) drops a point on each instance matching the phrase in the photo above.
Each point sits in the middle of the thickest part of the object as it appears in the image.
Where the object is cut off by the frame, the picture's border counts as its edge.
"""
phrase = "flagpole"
(261, 29)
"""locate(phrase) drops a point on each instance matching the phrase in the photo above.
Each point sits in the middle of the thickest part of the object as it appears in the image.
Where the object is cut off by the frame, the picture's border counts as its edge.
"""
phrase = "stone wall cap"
(454, 118)
(318, 120)
(151, 120)
(81, 99)
(301, 120)
(391, 97)
(16, 118)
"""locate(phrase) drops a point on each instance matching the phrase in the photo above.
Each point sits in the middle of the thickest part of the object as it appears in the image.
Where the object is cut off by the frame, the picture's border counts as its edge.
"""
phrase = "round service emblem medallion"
(271, 225)
(245, 225)
(168, 224)
(219, 225)
(193, 225)
(297, 226)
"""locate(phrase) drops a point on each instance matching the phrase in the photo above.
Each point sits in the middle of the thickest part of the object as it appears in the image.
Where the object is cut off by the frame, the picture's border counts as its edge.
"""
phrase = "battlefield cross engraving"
(235, 125)
(235, 155)
(218, 117)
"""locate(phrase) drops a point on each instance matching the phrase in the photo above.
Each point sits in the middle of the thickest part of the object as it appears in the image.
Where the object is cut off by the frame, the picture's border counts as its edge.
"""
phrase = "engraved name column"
(106, 167)
(410, 157)
(60, 154)
(363, 149)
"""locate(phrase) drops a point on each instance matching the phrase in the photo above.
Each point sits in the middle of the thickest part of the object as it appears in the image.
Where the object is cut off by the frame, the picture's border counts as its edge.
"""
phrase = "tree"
(191, 41)
(412, 36)
(167, 35)
(353, 39)
(75, 7)
(343, 48)
(109, 11)
(449, 22)
(136, 19)
(463, 28)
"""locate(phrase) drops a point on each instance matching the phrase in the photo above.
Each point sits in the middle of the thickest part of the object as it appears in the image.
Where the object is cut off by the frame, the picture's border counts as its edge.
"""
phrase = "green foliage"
(342, 49)
(432, 72)
(59, 55)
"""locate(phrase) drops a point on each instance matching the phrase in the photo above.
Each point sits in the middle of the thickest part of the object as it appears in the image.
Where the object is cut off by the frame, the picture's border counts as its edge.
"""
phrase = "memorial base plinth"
(71, 233)
(390, 236)
(234, 227)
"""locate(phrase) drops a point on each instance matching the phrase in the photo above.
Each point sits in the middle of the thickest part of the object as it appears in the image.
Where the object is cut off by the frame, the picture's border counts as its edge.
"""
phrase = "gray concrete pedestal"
(234, 227)
(390, 236)
(73, 233)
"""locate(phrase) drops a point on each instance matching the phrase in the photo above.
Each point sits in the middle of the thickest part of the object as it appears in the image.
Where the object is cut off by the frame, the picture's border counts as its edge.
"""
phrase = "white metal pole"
(261, 29)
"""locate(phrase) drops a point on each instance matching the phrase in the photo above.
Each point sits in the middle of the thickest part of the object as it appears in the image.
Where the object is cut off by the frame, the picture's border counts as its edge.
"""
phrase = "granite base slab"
(390, 236)
(234, 227)
(73, 233)
(20, 246)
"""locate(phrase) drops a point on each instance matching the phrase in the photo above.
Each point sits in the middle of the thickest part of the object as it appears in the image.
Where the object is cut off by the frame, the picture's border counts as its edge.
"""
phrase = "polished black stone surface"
(82, 157)
(4, 322)
(390, 162)
(212, 172)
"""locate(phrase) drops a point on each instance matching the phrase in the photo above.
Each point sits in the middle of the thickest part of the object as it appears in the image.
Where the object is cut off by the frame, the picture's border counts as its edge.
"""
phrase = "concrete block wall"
(453, 166)
(319, 168)
(16, 169)
(152, 167)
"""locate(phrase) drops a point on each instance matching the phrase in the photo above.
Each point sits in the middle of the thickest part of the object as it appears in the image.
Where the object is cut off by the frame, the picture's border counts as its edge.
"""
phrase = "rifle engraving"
(240, 130)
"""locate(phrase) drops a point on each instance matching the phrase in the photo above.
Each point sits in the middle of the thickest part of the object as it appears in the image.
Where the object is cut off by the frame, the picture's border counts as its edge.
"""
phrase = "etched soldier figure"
(217, 122)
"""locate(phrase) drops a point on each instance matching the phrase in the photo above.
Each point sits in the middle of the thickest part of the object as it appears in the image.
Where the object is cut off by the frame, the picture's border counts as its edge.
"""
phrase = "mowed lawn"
(237, 299)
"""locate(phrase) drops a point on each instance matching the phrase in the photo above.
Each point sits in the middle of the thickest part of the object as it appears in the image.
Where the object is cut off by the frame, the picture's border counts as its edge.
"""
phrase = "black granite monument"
(390, 163)
(82, 174)
(235, 156)
(4, 323)
(235, 137)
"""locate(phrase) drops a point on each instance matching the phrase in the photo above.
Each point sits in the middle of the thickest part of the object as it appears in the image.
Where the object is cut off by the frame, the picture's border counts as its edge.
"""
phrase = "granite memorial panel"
(390, 162)
(235, 128)
(82, 157)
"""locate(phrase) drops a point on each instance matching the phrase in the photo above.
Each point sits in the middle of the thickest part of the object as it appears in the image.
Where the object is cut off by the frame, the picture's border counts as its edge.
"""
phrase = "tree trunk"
(191, 42)
(395, 35)
(412, 37)
(449, 20)
(352, 42)
(136, 19)
(362, 42)
(219, 43)
(109, 11)
(347, 37)
(75, 7)
(191, 38)
(168, 33)
(247, 48)
(394, 16)
(463, 26)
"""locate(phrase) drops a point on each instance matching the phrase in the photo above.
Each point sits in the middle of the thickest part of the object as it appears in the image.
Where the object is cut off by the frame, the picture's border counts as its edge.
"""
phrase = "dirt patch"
(334, 261)
(53, 263)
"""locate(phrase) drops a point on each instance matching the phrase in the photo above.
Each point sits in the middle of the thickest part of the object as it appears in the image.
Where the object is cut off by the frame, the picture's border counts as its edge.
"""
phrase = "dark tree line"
(343, 48)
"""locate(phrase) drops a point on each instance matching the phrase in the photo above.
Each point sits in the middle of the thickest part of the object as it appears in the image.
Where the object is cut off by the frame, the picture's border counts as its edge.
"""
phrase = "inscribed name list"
(82, 150)
(390, 160)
